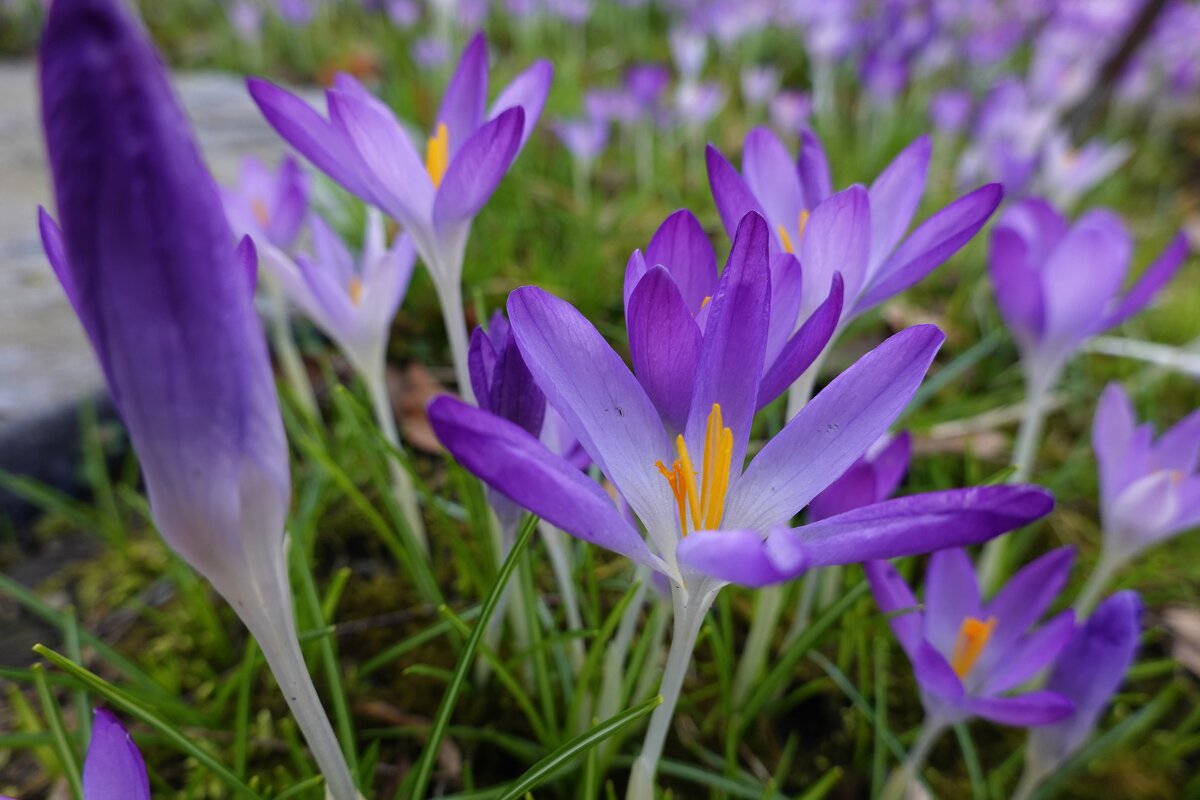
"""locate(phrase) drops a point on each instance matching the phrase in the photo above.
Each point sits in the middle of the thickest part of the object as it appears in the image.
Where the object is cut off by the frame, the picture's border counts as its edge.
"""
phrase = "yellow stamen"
(973, 636)
(706, 503)
(803, 223)
(259, 209)
(707, 299)
(356, 290)
(437, 154)
(784, 239)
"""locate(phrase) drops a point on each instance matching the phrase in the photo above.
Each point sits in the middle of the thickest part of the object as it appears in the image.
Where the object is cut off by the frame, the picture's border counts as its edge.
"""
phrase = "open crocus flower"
(668, 289)
(968, 654)
(363, 147)
(1087, 672)
(708, 521)
(147, 261)
(858, 232)
(268, 206)
(1149, 487)
(1058, 284)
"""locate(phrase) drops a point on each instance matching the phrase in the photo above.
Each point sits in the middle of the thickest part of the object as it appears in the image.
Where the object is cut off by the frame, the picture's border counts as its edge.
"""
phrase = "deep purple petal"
(934, 241)
(730, 193)
(742, 557)
(113, 768)
(772, 179)
(520, 467)
(804, 347)
(527, 91)
(891, 464)
(514, 396)
(466, 94)
(600, 399)
(1156, 276)
(832, 430)
(664, 345)
(477, 169)
(895, 195)
(951, 595)
(1025, 598)
(1023, 710)
(680, 245)
(837, 239)
(896, 600)
(923, 523)
(787, 284)
(813, 167)
(481, 364)
(735, 341)
(854, 489)
(1017, 284)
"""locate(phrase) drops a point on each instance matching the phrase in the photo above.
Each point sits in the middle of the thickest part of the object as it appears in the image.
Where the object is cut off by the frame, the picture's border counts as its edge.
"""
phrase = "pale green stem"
(768, 606)
(290, 361)
(1030, 780)
(690, 611)
(804, 606)
(581, 183)
(905, 781)
(451, 300)
(1106, 567)
(558, 548)
(402, 483)
(830, 582)
(609, 702)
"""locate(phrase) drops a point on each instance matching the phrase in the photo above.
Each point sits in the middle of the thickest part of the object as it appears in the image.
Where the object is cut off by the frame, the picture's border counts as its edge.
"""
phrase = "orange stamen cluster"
(706, 502)
(973, 636)
(437, 154)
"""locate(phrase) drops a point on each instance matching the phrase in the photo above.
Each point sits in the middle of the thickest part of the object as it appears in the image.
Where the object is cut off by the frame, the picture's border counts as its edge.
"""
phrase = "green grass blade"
(67, 758)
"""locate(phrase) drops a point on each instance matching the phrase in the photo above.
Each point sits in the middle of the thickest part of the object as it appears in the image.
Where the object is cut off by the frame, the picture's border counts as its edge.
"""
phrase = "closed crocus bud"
(146, 258)
(113, 768)
(1087, 672)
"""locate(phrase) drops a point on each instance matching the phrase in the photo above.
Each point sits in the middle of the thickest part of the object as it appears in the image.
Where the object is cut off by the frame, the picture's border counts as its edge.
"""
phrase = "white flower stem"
(402, 483)
(451, 300)
(558, 548)
(286, 351)
(613, 675)
(905, 780)
(690, 611)
(768, 605)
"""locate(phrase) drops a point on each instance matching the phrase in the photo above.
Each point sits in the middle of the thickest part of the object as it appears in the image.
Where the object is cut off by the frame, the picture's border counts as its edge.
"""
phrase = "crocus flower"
(585, 138)
(1058, 284)
(708, 521)
(113, 768)
(789, 111)
(759, 85)
(147, 261)
(689, 51)
(969, 654)
(1149, 486)
(1067, 172)
(1087, 672)
(645, 83)
(268, 207)
(364, 148)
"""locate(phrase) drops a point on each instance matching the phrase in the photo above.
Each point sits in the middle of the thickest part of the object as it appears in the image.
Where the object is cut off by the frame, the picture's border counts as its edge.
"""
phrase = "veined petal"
(743, 557)
(680, 245)
(735, 341)
(466, 94)
(481, 364)
(895, 195)
(517, 465)
(664, 344)
(113, 768)
(836, 239)
(927, 247)
(1156, 276)
(951, 595)
(832, 430)
(601, 401)
(1023, 710)
(477, 169)
(527, 91)
(514, 395)
(770, 176)
(730, 193)
(804, 347)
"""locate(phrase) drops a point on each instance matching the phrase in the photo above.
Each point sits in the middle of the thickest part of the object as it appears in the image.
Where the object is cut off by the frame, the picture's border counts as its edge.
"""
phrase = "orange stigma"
(356, 290)
(973, 636)
(705, 502)
(437, 154)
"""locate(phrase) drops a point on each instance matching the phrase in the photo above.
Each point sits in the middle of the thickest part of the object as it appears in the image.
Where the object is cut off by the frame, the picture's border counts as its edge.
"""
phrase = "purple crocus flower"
(789, 112)
(871, 479)
(1068, 172)
(689, 51)
(1058, 284)
(645, 84)
(1087, 672)
(113, 768)
(268, 206)
(759, 85)
(708, 521)
(147, 261)
(364, 148)
(696, 103)
(585, 138)
(1149, 487)
(858, 232)
(950, 110)
(968, 655)
(430, 52)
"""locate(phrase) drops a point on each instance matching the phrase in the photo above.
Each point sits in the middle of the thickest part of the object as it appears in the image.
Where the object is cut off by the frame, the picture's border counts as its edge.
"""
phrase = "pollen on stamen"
(972, 638)
(784, 239)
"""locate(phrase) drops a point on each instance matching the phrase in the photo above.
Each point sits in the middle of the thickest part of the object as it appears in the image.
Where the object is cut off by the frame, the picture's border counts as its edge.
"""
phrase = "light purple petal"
(896, 600)
(600, 399)
(895, 195)
(1030, 654)
(477, 169)
(664, 345)
(1025, 598)
(680, 245)
(1156, 276)
(1112, 432)
(922, 523)
(787, 283)
(771, 177)
(934, 241)
(805, 345)
(1179, 447)
(735, 341)
(514, 463)
(1084, 274)
(836, 239)
(1017, 284)
(527, 91)
(1022, 711)
(466, 95)
(113, 768)
(832, 430)
(635, 269)
(742, 557)
(730, 193)
(951, 595)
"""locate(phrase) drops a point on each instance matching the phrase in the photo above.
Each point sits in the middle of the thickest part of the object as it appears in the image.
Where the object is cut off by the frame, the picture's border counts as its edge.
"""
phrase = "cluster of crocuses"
(149, 255)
